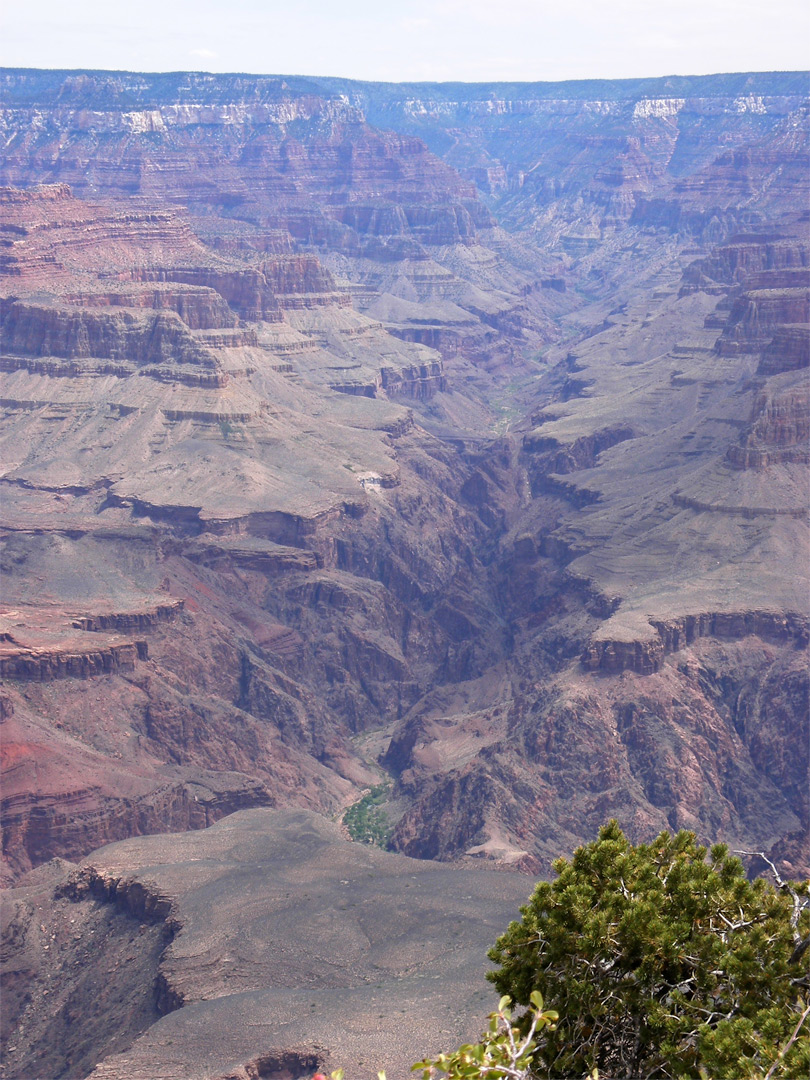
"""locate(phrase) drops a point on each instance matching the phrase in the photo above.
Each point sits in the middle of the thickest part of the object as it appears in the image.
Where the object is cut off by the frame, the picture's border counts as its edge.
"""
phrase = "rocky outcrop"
(130, 620)
(300, 282)
(50, 948)
(199, 307)
(252, 553)
(246, 291)
(728, 626)
(74, 659)
(754, 261)
(47, 193)
(420, 383)
(788, 350)
(429, 225)
(646, 656)
(79, 333)
(133, 897)
(295, 274)
(756, 315)
(37, 828)
(446, 341)
(779, 431)
(580, 454)
(643, 657)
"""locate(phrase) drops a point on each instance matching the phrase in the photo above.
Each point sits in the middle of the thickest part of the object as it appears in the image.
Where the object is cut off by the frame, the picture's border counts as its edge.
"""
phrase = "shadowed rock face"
(263, 940)
(311, 464)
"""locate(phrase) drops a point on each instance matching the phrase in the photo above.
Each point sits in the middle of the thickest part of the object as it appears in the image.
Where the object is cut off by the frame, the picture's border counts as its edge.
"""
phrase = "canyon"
(453, 437)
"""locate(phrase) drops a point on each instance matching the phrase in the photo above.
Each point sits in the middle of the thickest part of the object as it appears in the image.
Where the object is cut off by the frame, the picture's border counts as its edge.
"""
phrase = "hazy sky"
(394, 40)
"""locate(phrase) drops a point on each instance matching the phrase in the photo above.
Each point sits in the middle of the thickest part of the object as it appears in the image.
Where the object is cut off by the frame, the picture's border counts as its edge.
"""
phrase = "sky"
(417, 40)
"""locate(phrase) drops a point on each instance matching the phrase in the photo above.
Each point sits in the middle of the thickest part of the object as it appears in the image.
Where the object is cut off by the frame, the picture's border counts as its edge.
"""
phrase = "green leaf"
(655, 940)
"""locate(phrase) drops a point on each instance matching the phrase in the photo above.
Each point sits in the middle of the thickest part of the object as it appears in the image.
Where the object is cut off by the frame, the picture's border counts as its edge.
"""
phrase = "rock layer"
(271, 364)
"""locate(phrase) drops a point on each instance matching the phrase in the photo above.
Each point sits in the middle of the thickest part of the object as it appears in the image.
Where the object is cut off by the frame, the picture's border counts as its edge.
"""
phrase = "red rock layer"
(779, 431)
(756, 315)
(80, 333)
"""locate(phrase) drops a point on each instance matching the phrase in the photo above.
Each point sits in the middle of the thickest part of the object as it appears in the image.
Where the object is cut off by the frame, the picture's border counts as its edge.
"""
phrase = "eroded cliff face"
(237, 626)
(574, 162)
(313, 469)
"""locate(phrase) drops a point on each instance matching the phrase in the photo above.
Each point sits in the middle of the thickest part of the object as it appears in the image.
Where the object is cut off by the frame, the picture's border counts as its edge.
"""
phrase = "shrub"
(663, 963)
(504, 1052)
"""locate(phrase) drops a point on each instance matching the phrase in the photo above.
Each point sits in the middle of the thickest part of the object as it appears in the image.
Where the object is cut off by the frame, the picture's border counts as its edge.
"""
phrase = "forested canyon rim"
(454, 434)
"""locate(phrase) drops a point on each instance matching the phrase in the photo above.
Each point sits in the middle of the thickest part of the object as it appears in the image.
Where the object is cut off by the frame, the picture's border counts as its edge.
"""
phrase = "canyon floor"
(450, 438)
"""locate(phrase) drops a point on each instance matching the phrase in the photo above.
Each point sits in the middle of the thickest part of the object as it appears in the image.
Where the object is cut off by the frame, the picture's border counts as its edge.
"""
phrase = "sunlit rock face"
(351, 427)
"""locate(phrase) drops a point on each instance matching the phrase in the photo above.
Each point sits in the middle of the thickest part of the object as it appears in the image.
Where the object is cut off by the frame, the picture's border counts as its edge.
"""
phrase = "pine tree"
(662, 963)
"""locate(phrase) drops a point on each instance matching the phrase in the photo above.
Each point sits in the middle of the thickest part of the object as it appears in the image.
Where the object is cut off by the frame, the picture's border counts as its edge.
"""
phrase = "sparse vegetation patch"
(366, 821)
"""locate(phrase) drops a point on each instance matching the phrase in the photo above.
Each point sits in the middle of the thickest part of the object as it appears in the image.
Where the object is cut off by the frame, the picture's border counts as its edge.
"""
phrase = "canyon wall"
(457, 437)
